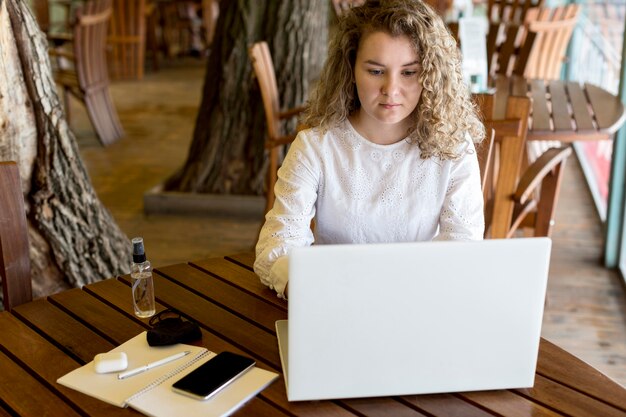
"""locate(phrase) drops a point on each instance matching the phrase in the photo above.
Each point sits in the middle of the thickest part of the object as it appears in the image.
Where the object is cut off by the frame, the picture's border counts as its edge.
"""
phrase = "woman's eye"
(375, 71)
(409, 73)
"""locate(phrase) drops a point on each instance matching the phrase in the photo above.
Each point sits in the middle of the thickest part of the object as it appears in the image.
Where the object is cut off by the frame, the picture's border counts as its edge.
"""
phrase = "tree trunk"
(227, 153)
(73, 238)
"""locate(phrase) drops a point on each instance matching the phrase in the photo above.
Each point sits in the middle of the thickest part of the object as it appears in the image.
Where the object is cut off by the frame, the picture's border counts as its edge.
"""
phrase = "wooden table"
(563, 110)
(44, 339)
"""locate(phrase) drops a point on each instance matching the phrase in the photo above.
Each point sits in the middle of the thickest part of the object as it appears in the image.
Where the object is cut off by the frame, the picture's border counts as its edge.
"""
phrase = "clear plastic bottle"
(142, 281)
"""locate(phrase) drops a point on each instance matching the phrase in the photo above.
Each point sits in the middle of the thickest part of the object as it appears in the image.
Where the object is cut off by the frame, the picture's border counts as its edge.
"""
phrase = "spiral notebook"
(151, 392)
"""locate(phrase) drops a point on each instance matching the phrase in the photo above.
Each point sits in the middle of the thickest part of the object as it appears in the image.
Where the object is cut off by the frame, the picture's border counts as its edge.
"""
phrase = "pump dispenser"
(142, 281)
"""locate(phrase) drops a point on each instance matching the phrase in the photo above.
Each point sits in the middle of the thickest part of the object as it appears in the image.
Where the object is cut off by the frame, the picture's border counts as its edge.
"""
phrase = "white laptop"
(413, 318)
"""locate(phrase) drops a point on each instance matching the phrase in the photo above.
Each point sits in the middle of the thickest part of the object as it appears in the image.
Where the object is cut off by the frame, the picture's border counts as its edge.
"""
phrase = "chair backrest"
(14, 252)
(534, 47)
(127, 39)
(505, 162)
(553, 30)
(90, 40)
(509, 46)
(510, 10)
(264, 71)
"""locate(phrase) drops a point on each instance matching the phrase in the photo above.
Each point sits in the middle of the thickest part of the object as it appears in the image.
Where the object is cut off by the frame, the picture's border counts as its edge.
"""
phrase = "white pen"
(123, 375)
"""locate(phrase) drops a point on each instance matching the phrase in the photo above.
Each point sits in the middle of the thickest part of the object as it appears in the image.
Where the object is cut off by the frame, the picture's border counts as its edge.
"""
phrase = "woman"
(391, 157)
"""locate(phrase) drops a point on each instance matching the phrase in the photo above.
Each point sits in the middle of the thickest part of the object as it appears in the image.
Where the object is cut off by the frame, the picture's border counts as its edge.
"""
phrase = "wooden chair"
(553, 30)
(550, 30)
(509, 46)
(14, 252)
(127, 39)
(516, 198)
(264, 71)
(82, 70)
(510, 10)
(535, 47)
(505, 163)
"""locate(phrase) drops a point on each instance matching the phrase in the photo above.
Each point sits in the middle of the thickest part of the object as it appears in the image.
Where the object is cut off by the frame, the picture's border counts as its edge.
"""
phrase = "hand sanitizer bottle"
(142, 282)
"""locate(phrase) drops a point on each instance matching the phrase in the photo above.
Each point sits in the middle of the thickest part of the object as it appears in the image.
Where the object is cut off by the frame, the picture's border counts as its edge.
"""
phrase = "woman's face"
(386, 72)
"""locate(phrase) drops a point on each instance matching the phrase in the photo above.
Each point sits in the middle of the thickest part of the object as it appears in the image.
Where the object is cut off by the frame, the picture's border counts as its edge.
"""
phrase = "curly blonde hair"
(445, 112)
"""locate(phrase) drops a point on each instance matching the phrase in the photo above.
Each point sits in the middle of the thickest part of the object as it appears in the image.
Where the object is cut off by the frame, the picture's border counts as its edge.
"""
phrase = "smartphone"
(211, 377)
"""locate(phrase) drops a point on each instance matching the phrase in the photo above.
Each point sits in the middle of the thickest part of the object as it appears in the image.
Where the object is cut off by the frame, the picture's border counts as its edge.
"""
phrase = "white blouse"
(362, 192)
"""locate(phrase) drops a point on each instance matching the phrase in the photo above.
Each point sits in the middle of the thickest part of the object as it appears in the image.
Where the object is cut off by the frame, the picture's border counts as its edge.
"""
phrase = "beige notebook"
(151, 392)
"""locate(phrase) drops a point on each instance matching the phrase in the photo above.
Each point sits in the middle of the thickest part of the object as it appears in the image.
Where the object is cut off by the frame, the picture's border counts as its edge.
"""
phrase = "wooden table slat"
(605, 108)
(69, 334)
(259, 408)
(567, 400)
(48, 363)
(541, 112)
(118, 293)
(560, 111)
(100, 317)
(557, 364)
(246, 258)
(246, 280)
(229, 296)
(18, 389)
(507, 403)
(277, 394)
(448, 405)
(382, 407)
(584, 122)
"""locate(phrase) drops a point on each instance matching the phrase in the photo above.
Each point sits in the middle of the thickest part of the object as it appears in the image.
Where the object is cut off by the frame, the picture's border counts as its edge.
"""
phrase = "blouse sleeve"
(462, 216)
(288, 223)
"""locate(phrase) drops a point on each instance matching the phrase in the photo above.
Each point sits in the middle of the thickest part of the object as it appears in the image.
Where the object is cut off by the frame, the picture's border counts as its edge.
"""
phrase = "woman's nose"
(390, 86)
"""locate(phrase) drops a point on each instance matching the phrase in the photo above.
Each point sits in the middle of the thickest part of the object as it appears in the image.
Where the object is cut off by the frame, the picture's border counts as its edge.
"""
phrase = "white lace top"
(362, 192)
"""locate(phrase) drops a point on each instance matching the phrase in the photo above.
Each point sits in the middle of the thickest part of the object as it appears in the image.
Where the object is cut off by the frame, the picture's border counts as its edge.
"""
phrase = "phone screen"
(212, 376)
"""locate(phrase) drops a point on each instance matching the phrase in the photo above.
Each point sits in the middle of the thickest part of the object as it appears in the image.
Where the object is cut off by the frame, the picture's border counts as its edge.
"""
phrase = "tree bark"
(73, 238)
(227, 154)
